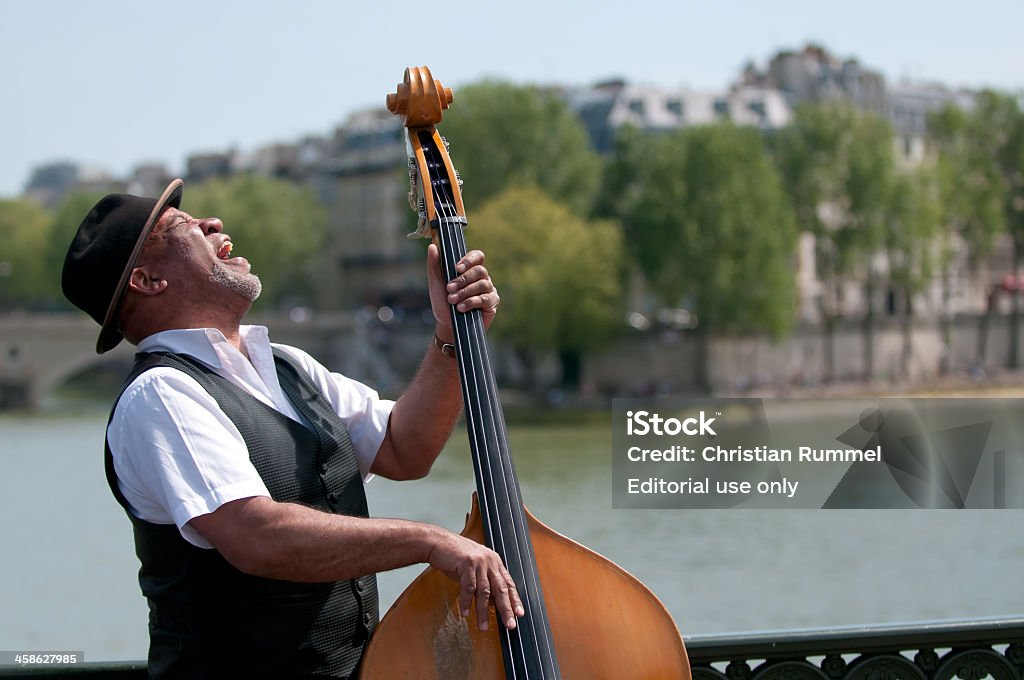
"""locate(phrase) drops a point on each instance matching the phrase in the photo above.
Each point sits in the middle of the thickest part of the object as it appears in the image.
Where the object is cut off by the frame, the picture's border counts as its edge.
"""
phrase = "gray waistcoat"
(210, 620)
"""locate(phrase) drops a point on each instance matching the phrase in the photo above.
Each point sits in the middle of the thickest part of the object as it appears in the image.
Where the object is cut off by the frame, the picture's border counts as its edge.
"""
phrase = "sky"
(110, 84)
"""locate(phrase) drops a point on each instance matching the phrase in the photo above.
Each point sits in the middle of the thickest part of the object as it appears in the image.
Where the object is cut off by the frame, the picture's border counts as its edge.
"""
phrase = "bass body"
(605, 622)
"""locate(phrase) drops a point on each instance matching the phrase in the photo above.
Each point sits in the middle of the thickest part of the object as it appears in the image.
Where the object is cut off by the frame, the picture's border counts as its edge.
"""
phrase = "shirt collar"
(207, 344)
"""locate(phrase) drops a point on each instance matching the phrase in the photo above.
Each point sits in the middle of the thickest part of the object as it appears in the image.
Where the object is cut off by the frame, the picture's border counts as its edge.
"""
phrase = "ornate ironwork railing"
(941, 650)
(937, 650)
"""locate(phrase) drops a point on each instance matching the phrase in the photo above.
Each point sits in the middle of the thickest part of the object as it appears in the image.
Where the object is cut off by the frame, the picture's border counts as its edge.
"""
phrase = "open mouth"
(225, 250)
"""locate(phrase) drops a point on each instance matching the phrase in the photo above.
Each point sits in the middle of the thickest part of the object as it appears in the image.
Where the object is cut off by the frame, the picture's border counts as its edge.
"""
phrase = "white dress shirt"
(178, 456)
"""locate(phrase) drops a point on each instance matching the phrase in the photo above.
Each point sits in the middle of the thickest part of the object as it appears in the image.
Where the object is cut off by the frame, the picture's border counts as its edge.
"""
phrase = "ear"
(144, 282)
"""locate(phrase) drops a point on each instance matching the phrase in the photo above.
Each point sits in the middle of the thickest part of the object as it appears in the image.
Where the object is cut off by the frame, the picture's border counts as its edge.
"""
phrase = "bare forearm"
(295, 543)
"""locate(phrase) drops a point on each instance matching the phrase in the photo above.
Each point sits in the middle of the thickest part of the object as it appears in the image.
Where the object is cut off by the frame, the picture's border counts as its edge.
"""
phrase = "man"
(241, 463)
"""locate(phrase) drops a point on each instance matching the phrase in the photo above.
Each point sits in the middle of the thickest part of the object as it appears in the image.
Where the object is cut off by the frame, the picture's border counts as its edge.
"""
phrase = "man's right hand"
(481, 576)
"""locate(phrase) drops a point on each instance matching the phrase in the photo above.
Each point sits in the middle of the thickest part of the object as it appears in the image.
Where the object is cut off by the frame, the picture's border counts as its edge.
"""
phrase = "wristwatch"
(447, 348)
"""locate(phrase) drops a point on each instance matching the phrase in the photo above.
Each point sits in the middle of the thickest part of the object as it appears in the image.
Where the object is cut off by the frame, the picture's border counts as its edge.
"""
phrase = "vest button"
(323, 467)
(360, 587)
(332, 498)
(367, 618)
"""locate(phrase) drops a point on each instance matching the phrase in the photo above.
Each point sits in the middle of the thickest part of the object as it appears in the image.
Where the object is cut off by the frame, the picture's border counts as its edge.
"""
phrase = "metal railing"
(933, 650)
(930, 650)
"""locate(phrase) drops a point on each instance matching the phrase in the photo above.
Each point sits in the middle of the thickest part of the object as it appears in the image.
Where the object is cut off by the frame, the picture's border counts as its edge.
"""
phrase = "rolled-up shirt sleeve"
(362, 410)
(176, 454)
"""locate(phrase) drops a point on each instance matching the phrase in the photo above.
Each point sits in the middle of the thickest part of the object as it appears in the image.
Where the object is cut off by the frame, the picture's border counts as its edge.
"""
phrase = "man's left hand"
(472, 288)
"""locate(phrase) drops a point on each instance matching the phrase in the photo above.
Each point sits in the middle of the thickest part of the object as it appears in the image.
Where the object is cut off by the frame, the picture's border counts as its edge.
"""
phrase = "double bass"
(586, 618)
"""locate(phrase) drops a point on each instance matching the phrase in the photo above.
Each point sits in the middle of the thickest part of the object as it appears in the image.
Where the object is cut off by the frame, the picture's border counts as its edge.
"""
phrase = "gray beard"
(247, 285)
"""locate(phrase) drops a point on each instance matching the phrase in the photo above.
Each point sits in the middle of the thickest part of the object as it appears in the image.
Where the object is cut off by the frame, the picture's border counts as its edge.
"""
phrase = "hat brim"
(110, 336)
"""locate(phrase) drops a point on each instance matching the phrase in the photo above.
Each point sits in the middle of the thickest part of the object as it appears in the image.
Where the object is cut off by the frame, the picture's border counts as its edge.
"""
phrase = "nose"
(212, 225)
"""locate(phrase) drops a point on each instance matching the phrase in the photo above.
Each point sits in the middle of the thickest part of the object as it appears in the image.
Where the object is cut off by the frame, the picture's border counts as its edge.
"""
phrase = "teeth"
(225, 250)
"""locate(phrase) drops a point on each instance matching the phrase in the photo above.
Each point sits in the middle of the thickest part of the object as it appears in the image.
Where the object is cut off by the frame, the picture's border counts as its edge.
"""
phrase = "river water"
(68, 570)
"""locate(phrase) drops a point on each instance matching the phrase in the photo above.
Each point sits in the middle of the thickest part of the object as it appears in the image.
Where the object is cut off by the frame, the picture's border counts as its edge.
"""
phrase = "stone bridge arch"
(38, 352)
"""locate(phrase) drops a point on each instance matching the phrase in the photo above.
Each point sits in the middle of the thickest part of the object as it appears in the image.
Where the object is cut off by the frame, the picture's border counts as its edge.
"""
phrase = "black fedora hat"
(104, 252)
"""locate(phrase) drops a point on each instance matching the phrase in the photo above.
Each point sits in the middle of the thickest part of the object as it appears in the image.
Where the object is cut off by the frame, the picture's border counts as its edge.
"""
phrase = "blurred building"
(48, 184)
(200, 167)
(149, 179)
(609, 105)
(363, 181)
(293, 162)
(908, 106)
(814, 74)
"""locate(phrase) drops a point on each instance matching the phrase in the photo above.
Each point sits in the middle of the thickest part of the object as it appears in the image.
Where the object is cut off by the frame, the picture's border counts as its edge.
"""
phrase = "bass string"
(518, 516)
(474, 401)
(472, 330)
(490, 497)
(493, 471)
(463, 323)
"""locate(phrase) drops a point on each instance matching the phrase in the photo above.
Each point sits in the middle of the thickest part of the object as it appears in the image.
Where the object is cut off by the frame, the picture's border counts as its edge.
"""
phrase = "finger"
(467, 591)
(483, 598)
(433, 258)
(435, 277)
(503, 602)
(485, 303)
(470, 260)
(472, 290)
(517, 603)
(469, 277)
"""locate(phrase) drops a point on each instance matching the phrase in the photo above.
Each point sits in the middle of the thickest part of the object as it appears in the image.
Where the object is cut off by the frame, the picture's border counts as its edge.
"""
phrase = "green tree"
(876, 202)
(503, 135)
(559, 274)
(965, 147)
(274, 224)
(1001, 116)
(910, 243)
(982, 155)
(970, 202)
(25, 231)
(645, 188)
(709, 225)
(839, 170)
(738, 234)
(633, 168)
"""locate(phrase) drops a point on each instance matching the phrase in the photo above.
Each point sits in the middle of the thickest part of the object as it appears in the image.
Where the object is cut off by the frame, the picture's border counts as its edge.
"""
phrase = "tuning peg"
(421, 206)
(458, 178)
(447, 147)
